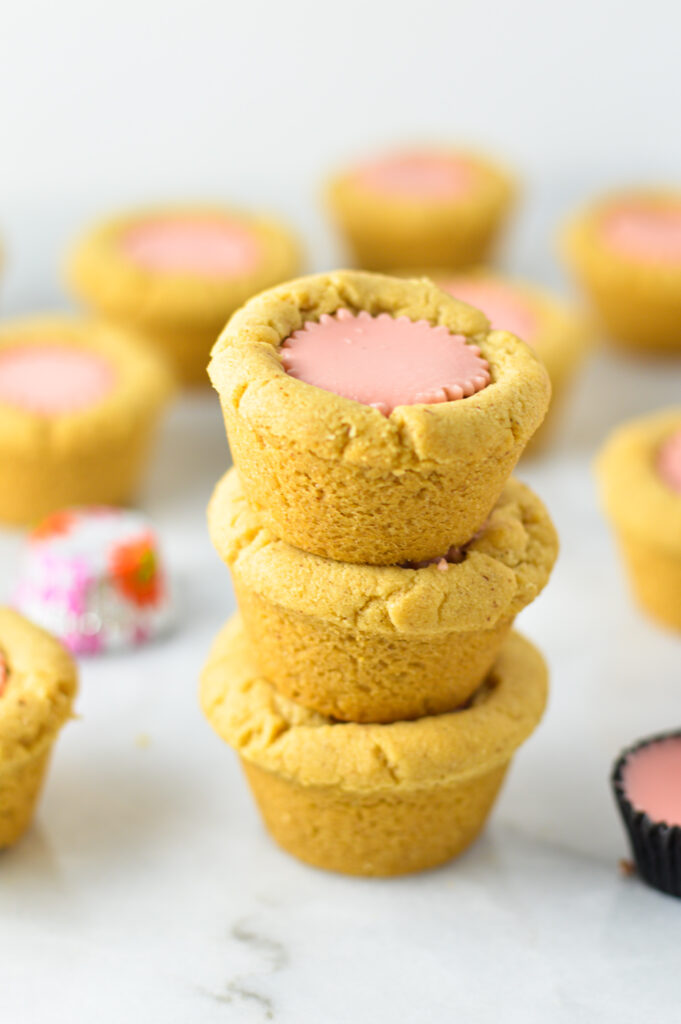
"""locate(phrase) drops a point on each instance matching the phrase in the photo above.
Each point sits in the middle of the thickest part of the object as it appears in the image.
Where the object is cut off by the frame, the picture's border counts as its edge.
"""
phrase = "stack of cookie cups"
(371, 684)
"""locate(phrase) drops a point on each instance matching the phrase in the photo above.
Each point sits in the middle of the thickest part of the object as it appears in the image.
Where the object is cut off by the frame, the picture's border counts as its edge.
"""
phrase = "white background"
(254, 101)
(147, 890)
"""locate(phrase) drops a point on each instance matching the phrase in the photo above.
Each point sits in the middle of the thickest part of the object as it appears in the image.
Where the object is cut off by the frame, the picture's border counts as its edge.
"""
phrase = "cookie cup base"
(380, 834)
(639, 322)
(366, 677)
(655, 577)
(34, 484)
(376, 251)
(20, 786)
(372, 799)
(370, 516)
(185, 349)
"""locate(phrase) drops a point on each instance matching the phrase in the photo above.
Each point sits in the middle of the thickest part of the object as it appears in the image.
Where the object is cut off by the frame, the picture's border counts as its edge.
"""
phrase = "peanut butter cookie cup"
(429, 207)
(79, 404)
(177, 273)
(380, 643)
(373, 419)
(625, 251)
(372, 799)
(639, 471)
(37, 687)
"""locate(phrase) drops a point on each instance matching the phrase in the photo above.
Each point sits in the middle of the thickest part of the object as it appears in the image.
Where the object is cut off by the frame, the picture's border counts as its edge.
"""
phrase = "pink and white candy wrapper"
(94, 578)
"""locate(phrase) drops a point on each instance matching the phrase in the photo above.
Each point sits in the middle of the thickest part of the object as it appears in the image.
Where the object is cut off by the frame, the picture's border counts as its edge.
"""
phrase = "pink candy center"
(418, 176)
(504, 309)
(652, 780)
(384, 362)
(53, 379)
(646, 233)
(669, 462)
(212, 248)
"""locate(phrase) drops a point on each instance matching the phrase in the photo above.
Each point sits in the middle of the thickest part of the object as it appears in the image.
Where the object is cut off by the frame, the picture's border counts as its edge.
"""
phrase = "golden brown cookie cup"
(339, 479)
(180, 313)
(372, 799)
(35, 703)
(95, 455)
(638, 302)
(645, 513)
(387, 232)
(370, 643)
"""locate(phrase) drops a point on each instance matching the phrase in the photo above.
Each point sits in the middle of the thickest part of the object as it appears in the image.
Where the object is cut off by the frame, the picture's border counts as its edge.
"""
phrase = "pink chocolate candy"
(669, 462)
(384, 362)
(418, 176)
(651, 780)
(648, 233)
(502, 306)
(211, 248)
(52, 380)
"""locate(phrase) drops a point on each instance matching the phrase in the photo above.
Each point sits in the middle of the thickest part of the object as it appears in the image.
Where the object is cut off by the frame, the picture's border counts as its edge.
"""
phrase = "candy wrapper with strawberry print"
(94, 577)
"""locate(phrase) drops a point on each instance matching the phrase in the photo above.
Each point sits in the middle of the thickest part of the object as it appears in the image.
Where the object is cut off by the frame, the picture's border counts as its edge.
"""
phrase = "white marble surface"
(148, 891)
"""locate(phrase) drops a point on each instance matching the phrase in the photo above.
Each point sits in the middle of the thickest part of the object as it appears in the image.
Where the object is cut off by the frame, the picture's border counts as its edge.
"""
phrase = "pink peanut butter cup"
(210, 248)
(52, 380)
(651, 780)
(383, 361)
(646, 782)
(502, 306)
(644, 232)
(669, 462)
(418, 176)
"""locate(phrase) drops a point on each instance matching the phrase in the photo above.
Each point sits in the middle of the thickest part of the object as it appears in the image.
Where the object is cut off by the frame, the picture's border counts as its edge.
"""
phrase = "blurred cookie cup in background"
(639, 473)
(560, 334)
(436, 206)
(37, 688)
(176, 274)
(625, 252)
(80, 401)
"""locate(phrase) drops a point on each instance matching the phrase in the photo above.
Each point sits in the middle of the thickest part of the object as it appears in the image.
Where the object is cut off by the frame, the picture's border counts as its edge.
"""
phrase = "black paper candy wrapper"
(656, 847)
